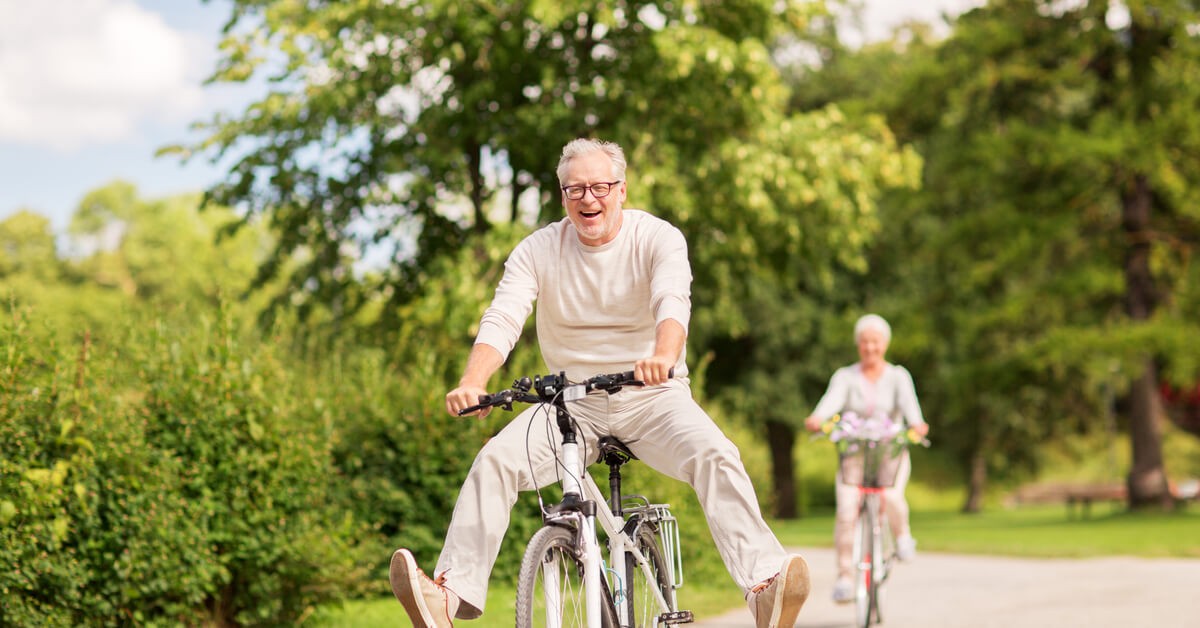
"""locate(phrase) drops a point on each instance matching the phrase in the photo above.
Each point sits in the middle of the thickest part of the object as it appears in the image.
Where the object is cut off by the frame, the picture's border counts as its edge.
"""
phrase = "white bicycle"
(564, 581)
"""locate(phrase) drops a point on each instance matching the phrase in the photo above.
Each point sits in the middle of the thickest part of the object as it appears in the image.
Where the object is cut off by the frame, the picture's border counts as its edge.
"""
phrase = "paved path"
(956, 591)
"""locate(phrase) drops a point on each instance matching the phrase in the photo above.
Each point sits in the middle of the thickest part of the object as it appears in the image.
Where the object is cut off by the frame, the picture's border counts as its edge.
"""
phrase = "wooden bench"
(1077, 497)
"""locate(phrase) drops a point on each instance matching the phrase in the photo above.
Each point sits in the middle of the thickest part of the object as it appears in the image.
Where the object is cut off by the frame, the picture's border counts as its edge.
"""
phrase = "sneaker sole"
(792, 593)
(404, 575)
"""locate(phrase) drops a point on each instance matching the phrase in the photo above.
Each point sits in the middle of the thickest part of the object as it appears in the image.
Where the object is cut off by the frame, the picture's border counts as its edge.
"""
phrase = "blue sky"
(90, 89)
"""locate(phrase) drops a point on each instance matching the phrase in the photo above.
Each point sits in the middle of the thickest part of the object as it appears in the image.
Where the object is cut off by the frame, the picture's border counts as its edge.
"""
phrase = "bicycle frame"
(574, 520)
(873, 546)
(581, 510)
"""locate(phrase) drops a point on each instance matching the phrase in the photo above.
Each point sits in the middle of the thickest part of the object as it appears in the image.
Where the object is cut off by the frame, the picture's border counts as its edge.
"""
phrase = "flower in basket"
(849, 429)
(851, 426)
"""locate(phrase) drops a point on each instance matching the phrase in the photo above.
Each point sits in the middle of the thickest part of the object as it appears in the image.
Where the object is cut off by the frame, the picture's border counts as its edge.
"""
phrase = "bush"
(173, 475)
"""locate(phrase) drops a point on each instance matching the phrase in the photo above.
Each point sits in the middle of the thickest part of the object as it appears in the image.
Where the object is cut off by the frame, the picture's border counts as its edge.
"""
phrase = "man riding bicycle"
(613, 288)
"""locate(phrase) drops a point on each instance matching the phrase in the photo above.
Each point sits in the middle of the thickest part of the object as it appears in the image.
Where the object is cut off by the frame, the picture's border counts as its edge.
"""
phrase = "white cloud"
(81, 72)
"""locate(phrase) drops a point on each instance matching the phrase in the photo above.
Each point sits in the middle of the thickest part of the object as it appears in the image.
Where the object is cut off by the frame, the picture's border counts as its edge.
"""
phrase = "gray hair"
(583, 146)
(873, 321)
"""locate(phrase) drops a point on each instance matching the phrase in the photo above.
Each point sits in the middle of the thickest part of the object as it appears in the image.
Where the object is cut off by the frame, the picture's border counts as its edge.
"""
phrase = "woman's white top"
(893, 394)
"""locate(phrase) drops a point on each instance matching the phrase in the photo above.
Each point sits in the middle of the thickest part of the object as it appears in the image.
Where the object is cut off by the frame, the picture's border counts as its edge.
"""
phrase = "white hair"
(872, 321)
(583, 146)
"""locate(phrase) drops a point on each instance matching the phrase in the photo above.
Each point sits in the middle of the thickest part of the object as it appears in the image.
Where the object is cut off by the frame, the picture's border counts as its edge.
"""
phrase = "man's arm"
(669, 338)
(483, 362)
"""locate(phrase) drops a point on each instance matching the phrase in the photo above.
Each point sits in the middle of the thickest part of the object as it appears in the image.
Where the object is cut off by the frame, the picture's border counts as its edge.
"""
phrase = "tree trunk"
(781, 438)
(475, 174)
(1147, 481)
(976, 483)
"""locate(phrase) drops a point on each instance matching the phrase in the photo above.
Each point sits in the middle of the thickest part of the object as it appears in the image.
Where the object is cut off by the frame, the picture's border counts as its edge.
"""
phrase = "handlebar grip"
(485, 401)
(628, 375)
(469, 410)
(628, 378)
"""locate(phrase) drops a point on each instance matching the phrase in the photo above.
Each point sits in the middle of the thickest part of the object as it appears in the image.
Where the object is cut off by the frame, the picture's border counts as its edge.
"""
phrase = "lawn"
(704, 599)
(1044, 531)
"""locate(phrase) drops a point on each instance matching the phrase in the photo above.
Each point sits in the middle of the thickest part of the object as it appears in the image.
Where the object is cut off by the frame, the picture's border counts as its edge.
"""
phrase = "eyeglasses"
(599, 190)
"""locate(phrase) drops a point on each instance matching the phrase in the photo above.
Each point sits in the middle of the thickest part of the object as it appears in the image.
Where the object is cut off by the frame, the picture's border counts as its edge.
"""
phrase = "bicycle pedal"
(676, 617)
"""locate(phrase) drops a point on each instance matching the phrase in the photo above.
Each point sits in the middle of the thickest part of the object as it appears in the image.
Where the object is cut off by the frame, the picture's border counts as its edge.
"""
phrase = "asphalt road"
(956, 591)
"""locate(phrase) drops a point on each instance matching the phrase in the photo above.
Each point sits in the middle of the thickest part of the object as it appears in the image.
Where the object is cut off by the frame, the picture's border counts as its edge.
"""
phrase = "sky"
(90, 89)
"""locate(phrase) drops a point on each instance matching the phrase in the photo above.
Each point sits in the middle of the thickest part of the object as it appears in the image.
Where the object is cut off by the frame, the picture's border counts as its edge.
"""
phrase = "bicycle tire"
(864, 564)
(641, 596)
(878, 570)
(552, 556)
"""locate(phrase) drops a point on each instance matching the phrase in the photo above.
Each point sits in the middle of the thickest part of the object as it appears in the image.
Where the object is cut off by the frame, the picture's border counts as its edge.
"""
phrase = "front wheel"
(550, 592)
(865, 561)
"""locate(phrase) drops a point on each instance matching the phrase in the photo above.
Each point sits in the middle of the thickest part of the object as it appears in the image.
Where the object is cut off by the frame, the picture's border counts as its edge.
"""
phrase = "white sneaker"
(906, 548)
(843, 590)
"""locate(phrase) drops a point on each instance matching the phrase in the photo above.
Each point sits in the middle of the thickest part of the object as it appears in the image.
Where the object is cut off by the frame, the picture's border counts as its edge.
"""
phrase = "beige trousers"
(665, 429)
(847, 514)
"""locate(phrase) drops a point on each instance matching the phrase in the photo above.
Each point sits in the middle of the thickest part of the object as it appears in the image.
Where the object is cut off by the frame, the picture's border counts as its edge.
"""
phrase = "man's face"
(596, 219)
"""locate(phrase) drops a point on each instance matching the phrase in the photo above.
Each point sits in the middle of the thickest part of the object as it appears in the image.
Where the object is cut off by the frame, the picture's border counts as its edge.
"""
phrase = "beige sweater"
(597, 306)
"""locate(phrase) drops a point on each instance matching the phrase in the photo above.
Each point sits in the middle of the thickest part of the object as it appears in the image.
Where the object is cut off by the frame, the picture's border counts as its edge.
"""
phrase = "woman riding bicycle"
(870, 387)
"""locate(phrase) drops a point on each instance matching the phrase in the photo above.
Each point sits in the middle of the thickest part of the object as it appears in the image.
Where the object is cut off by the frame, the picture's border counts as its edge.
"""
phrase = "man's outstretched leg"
(776, 602)
(428, 603)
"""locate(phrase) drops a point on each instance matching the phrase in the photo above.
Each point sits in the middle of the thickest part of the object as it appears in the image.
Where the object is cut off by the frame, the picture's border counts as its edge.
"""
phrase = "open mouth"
(589, 215)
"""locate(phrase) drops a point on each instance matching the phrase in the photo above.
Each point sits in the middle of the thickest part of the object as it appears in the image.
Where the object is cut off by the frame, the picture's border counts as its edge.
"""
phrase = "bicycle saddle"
(613, 451)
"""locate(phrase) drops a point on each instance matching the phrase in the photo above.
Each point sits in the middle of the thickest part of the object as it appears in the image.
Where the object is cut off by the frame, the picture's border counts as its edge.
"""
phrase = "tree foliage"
(1046, 258)
(393, 130)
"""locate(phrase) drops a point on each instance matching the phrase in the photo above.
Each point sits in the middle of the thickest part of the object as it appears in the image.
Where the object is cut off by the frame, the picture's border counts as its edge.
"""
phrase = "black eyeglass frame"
(584, 189)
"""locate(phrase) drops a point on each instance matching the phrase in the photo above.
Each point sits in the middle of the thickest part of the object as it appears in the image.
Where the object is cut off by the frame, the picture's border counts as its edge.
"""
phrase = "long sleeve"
(836, 397)
(906, 397)
(670, 293)
(504, 319)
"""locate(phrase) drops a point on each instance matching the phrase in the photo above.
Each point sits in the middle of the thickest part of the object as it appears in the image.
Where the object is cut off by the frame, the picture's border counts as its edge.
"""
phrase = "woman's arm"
(832, 402)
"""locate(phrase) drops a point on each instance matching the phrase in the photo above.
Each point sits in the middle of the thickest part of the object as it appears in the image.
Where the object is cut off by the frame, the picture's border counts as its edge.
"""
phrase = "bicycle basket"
(870, 464)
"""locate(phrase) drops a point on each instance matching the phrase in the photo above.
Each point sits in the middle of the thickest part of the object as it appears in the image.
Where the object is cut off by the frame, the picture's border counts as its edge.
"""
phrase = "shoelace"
(758, 588)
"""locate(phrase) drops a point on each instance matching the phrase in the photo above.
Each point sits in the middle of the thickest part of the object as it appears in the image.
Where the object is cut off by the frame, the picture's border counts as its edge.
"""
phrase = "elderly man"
(613, 288)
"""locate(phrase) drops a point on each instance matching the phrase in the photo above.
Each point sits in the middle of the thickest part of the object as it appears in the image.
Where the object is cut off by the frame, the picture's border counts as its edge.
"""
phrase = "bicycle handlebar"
(548, 388)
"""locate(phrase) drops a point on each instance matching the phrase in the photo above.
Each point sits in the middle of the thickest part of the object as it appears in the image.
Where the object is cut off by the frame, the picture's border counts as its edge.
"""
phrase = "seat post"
(614, 488)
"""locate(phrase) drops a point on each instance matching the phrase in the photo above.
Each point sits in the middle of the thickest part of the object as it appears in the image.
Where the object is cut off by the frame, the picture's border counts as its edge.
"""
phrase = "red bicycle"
(870, 451)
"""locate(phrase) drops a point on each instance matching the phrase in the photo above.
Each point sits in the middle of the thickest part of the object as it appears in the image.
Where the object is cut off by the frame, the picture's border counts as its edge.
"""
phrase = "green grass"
(1043, 531)
(705, 599)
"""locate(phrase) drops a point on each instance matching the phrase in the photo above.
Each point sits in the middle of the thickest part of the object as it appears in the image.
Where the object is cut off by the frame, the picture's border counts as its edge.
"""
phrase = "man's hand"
(653, 370)
(813, 423)
(465, 396)
(481, 364)
(922, 429)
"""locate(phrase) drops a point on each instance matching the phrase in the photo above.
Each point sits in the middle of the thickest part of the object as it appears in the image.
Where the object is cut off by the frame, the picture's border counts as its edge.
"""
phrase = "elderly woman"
(870, 387)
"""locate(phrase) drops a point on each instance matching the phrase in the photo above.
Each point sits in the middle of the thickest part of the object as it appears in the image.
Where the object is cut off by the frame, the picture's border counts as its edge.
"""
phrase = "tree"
(162, 248)
(27, 248)
(1053, 234)
(394, 130)
(412, 128)
(785, 216)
